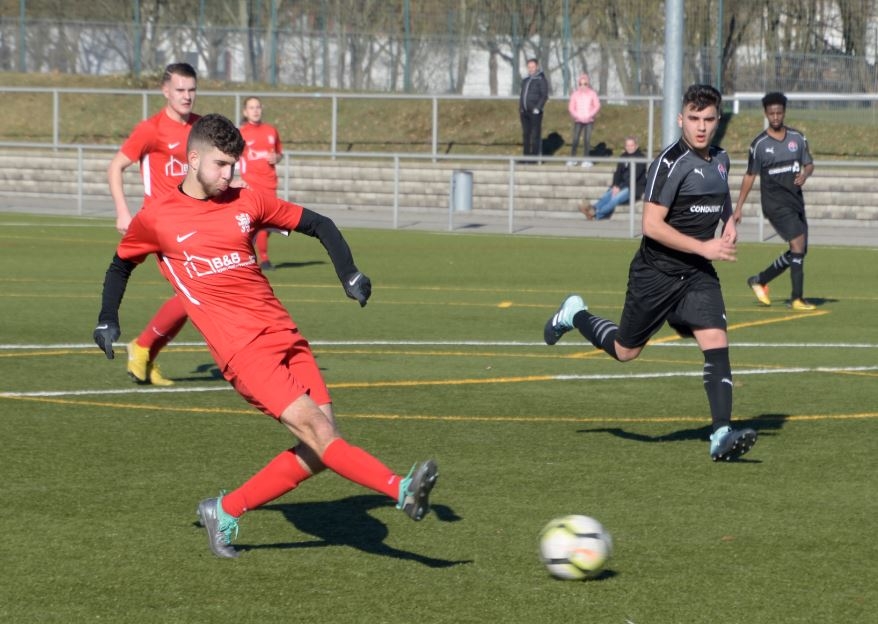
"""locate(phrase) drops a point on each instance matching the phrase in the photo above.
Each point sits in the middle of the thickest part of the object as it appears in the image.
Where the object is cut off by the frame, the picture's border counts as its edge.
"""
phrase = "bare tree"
(856, 16)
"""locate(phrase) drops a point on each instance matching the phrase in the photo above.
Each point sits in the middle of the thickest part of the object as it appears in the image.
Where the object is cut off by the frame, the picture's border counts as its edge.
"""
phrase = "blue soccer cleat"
(727, 444)
(561, 321)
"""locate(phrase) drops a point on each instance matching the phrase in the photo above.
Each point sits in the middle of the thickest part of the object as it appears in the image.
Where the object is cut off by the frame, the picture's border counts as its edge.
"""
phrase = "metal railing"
(81, 177)
(733, 102)
(334, 98)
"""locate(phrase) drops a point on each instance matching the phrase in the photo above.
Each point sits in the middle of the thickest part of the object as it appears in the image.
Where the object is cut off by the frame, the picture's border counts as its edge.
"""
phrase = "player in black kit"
(781, 157)
(671, 277)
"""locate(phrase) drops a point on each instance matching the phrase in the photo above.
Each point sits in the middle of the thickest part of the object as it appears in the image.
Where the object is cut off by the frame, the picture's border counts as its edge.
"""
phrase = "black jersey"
(778, 162)
(695, 190)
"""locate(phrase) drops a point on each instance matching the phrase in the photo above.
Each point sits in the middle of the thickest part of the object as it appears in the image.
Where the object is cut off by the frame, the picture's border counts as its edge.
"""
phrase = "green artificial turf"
(101, 477)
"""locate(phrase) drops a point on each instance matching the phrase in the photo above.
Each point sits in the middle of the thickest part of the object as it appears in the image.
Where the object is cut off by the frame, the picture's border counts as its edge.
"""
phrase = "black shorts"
(789, 223)
(686, 302)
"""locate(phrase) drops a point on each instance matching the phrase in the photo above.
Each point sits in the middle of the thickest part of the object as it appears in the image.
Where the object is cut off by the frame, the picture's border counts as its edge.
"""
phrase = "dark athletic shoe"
(219, 526)
(414, 490)
(561, 321)
(727, 444)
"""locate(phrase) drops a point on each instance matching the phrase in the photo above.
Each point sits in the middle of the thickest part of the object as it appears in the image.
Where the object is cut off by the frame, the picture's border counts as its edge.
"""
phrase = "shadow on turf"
(818, 301)
(204, 372)
(347, 522)
(764, 425)
(604, 575)
(296, 265)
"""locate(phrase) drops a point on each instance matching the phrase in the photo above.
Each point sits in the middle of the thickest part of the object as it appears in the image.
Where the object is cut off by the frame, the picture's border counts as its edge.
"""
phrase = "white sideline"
(468, 343)
(596, 377)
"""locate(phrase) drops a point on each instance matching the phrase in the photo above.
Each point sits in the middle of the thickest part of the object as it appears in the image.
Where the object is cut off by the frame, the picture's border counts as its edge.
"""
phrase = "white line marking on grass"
(468, 343)
(74, 393)
(735, 373)
(536, 378)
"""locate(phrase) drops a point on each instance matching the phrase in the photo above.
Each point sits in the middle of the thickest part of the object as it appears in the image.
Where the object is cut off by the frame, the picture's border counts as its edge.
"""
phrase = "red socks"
(261, 244)
(285, 472)
(282, 474)
(355, 464)
(164, 326)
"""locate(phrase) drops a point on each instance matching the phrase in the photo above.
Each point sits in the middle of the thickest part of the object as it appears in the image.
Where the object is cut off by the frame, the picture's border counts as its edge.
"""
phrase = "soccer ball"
(574, 547)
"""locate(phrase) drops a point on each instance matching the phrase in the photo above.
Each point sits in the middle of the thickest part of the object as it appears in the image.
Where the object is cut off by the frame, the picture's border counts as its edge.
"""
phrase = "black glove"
(358, 286)
(105, 335)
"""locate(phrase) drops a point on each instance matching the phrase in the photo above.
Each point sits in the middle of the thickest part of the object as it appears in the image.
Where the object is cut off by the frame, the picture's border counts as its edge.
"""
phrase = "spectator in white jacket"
(583, 107)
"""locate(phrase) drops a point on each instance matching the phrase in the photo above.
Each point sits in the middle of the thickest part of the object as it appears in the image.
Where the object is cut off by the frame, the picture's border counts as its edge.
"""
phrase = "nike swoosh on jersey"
(173, 145)
(182, 237)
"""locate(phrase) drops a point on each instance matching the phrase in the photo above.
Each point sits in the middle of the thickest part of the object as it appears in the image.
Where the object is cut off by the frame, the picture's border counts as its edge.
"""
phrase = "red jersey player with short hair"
(201, 233)
(159, 145)
(258, 163)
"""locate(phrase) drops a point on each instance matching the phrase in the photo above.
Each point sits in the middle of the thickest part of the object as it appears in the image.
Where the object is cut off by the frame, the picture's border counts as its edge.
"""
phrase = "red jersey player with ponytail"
(159, 145)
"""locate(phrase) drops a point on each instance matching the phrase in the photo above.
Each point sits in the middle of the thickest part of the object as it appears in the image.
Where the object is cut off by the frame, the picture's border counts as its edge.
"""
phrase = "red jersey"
(159, 145)
(205, 251)
(262, 140)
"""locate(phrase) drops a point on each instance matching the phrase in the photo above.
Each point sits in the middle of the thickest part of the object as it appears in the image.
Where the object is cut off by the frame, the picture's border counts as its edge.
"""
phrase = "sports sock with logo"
(797, 275)
(279, 476)
(598, 331)
(163, 326)
(355, 464)
(780, 264)
(718, 386)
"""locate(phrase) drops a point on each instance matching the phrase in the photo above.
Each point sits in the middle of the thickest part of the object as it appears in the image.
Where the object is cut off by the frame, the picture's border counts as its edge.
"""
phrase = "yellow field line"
(449, 418)
(790, 317)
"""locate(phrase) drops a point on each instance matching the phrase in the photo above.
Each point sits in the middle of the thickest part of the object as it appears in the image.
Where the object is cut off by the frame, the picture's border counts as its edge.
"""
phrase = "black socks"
(718, 386)
(598, 331)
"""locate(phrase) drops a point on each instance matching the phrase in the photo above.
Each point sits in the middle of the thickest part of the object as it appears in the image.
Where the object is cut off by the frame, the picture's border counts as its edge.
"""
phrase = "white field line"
(594, 377)
(469, 343)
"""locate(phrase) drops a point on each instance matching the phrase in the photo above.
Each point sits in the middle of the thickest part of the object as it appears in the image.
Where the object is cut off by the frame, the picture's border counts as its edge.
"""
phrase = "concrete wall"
(548, 190)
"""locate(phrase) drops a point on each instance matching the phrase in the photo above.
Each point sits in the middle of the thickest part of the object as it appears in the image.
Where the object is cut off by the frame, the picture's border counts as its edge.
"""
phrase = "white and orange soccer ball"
(575, 547)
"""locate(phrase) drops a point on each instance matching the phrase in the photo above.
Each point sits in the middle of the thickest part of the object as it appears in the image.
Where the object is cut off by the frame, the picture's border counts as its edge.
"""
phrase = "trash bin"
(461, 199)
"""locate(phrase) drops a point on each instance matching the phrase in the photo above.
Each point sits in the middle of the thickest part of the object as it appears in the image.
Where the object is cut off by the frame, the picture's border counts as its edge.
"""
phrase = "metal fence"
(865, 107)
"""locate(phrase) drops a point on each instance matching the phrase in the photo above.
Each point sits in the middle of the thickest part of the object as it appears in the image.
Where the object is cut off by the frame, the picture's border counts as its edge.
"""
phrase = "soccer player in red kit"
(201, 233)
(159, 145)
(258, 163)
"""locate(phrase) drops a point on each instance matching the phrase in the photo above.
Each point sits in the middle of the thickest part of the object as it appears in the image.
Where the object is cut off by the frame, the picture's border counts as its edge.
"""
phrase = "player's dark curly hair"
(701, 96)
(775, 97)
(217, 131)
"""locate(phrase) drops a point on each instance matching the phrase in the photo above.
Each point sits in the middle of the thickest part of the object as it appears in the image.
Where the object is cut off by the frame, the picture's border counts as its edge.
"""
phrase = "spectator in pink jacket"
(583, 106)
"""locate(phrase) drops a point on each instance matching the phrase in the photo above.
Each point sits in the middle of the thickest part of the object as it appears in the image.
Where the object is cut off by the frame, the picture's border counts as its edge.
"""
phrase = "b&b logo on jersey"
(793, 146)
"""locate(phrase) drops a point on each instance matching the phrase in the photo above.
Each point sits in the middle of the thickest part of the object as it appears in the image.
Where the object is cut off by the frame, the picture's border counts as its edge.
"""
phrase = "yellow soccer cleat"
(141, 369)
(156, 378)
(138, 362)
(760, 290)
(801, 304)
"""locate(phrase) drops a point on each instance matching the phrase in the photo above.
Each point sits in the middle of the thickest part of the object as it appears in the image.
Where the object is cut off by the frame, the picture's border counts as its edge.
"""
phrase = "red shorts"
(276, 369)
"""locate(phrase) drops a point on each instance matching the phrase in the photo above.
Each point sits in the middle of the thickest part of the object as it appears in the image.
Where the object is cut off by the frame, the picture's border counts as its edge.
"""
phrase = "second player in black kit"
(671, 278)
(781, 158)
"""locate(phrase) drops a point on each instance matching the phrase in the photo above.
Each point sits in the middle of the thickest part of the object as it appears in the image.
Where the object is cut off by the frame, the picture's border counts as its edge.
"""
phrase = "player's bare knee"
(309, 424)
(309, 458)
(624, 354)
